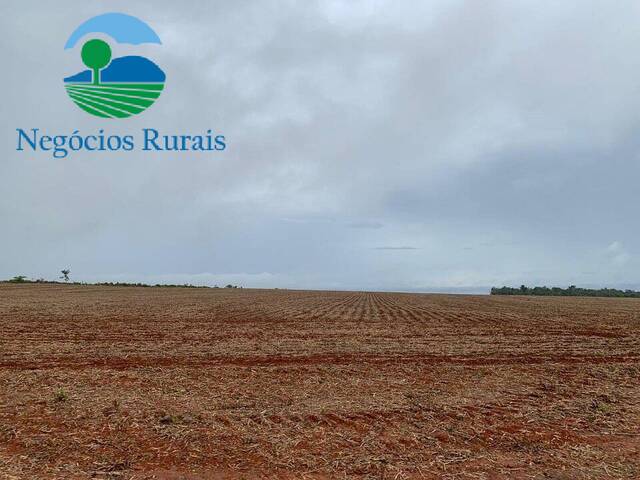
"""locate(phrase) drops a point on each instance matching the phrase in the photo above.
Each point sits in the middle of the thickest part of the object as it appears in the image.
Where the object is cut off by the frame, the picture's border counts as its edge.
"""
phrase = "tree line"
(66, 272)
(571, 291)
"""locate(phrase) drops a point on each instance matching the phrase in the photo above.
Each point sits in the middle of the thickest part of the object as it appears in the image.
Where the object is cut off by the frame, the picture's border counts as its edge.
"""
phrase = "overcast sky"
(415, 145)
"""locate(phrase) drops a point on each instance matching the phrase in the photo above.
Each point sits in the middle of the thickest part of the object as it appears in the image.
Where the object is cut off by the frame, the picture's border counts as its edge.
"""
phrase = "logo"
(113, 86)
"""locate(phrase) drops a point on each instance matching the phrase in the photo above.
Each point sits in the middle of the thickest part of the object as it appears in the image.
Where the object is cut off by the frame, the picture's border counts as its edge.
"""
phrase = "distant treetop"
(571, 291)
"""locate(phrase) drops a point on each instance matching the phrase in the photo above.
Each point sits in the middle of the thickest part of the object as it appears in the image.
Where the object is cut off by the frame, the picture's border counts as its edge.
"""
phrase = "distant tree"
(65, 274)
(96, 54)
(19, 279)
(571, 291)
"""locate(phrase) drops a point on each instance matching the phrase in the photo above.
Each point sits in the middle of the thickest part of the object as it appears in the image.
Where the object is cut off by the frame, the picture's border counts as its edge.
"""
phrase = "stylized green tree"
(96, 54)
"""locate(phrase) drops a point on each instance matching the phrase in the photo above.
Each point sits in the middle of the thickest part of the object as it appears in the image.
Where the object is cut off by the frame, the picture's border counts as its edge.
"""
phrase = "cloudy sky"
(417, 145)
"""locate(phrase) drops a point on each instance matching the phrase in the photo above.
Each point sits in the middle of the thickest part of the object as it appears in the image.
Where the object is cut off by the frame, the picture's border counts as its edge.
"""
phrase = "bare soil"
(199, 384)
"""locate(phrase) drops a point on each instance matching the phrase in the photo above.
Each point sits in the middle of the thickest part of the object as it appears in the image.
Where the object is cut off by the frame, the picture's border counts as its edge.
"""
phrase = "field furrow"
(197, 384)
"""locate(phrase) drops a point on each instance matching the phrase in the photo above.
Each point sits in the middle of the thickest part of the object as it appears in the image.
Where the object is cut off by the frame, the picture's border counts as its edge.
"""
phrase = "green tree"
(65, 274)
(96, 54)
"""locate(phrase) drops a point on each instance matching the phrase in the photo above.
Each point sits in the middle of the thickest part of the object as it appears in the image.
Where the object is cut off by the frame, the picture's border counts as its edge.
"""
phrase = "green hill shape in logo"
(114, 100)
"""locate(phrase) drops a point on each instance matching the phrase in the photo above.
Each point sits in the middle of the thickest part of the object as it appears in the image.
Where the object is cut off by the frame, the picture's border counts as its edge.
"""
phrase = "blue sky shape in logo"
(121, 27)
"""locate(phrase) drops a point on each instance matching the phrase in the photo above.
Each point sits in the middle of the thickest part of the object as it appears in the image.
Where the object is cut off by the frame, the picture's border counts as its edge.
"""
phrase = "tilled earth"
(199, 384)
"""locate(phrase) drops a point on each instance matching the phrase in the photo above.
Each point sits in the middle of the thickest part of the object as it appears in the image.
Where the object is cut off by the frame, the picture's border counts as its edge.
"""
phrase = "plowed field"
(172, 383)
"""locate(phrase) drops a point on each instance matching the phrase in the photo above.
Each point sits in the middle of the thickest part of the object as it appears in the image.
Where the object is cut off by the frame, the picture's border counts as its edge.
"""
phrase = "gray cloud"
(366, 224)
(499, 136)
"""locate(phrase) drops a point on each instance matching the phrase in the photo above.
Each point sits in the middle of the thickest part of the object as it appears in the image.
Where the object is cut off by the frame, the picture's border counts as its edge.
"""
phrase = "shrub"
(61, 396)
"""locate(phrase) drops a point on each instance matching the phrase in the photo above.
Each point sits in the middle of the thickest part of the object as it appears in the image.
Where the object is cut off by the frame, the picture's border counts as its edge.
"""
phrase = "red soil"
(196, 384)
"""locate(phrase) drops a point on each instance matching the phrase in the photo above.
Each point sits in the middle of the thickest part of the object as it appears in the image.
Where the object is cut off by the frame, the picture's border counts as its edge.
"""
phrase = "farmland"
(114, 100)
(195, 384)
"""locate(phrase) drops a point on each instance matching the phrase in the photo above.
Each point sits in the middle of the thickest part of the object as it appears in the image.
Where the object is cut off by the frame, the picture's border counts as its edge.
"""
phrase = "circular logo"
(113, 87)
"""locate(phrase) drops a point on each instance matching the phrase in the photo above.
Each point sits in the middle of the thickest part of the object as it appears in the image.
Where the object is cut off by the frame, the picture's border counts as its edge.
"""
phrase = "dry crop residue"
(196, 384)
